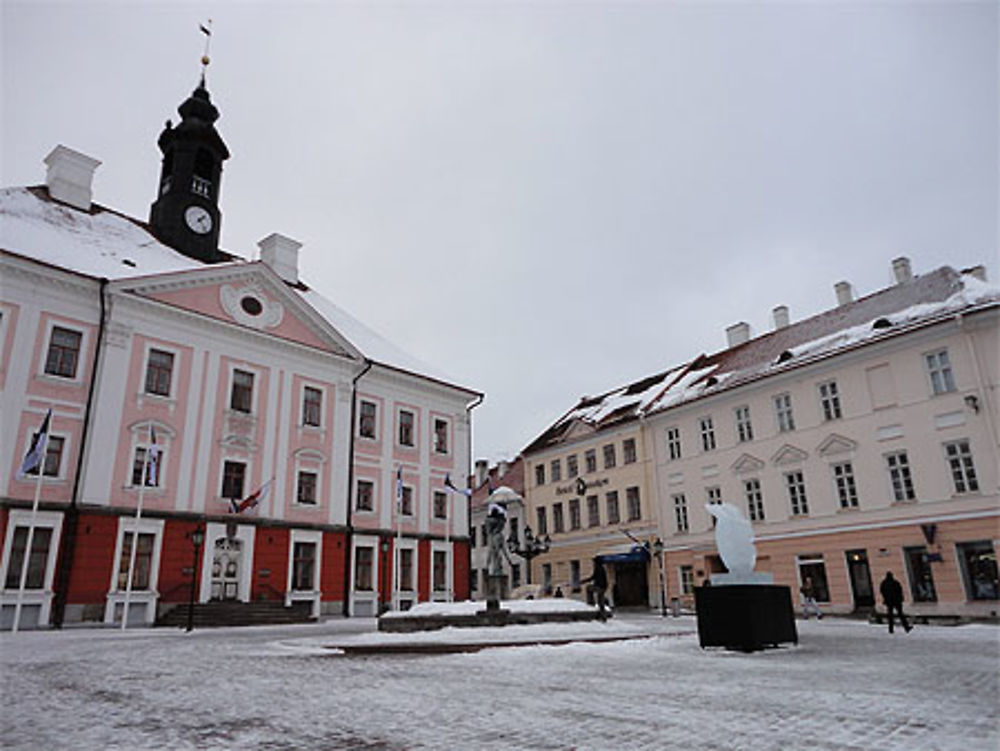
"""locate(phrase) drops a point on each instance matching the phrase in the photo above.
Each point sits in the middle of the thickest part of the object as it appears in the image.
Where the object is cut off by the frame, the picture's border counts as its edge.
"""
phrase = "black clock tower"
(186, 214)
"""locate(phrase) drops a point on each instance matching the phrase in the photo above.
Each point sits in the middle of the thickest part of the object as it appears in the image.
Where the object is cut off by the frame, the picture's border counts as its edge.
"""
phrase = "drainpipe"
(67, 545)
(350, 488)
(468, 468)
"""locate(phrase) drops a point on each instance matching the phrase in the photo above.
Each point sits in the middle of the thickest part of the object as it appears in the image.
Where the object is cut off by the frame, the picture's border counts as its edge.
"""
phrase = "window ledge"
(296, 504)
(58, 380)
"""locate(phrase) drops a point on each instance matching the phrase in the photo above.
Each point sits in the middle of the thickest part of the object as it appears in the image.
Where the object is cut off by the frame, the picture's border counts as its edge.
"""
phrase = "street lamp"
(533, 547)
(658, 552)
(197, 538)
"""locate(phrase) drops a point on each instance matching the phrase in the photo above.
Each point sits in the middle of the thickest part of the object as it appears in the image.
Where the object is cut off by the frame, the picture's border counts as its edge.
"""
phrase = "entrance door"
(226, 569)
(631, 588)
(861, 579)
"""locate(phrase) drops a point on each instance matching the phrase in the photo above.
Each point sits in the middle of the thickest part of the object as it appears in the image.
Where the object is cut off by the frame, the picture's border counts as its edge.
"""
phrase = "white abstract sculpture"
(734, 540)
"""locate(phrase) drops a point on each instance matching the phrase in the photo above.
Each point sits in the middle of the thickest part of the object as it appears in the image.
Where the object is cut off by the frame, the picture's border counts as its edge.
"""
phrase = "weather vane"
(206, 29)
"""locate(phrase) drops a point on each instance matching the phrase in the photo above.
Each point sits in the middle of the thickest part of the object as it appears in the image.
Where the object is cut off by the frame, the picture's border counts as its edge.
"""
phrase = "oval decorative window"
(251, 305)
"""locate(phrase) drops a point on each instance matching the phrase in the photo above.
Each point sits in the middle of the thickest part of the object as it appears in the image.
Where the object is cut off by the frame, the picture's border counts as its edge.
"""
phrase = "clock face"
(198, 219)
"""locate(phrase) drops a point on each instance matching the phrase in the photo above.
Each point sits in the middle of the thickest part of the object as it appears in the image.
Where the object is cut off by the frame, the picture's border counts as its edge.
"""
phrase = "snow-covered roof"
(103, 243)
(885, 313)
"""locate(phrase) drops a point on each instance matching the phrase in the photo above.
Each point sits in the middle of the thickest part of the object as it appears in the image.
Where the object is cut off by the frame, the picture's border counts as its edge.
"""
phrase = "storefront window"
(920, 573)
(979, 567)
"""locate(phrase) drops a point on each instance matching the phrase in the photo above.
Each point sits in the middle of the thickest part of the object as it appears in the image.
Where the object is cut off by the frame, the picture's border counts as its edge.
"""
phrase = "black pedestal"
(746, 617)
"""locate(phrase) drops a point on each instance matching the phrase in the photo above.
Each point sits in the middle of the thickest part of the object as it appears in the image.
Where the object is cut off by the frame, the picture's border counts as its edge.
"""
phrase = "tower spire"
(206, 29)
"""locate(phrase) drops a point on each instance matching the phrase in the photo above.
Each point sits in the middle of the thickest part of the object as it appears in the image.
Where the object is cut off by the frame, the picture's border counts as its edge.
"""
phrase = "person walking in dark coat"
(892, 596)
(599, 577)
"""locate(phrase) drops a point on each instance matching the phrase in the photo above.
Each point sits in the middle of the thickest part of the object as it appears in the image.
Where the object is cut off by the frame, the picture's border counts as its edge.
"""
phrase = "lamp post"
(533, 547)
(658, 552)
(384, 546)
(197, 538)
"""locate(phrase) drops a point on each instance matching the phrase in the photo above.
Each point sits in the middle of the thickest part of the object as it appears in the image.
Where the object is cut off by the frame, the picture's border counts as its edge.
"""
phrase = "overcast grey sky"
(545, 199)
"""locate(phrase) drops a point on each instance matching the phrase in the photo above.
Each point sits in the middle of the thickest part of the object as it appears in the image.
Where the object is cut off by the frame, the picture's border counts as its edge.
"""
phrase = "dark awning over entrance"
(635, 554)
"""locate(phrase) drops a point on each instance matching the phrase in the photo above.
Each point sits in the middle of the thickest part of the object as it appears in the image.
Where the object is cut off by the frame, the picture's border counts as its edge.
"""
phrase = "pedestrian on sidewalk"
(599, 577)
(809, 604)
(892, 596)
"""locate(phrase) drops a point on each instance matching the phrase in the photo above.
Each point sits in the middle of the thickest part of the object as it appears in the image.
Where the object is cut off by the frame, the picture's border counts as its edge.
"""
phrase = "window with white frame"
(593, 511)
(611, 504)
(847, 490)
(159, 372)
(680, 513)
(939, 371)
(54, 449)
(590, 460)
(440, 436)
(312, 406)
(609, 456)
(543, 522)
(783, 412)
(713, 494)
(367, 419)
(38, 558)
(555, 470)
(744, 428)
(686, 578)
(755, 499)
(674, 443)
(572, 468)
(241, 395)
(63, 355)
(628, 451)
(365, 500)
(406, 502)
(153, 469)
(900, 478)
(407, 428)
(829, 400)
(574, 513)
(633, 503)
(963, 472)
(439, 570)
(307, 488)
(539, 474)
(233, 478)
(143, 561)
(440, 504)
(406, 569)
(795, 484)
(557, 518)
(304, 567)
(707, 430)
(364, 559)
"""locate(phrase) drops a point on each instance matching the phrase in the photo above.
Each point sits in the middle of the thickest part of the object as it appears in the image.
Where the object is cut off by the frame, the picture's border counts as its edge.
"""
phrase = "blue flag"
(36, 452)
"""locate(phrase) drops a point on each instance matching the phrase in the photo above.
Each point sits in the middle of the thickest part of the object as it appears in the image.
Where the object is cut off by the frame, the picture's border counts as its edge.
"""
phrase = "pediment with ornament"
(836, 444)
(747, 463)
(789, 454)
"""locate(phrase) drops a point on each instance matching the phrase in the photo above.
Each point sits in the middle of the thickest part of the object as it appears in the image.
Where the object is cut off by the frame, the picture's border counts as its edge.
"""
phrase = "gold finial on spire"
(206, 29)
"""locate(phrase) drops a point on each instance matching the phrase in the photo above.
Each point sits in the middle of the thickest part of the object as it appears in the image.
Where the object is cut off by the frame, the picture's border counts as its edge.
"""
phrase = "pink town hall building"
(248, 380)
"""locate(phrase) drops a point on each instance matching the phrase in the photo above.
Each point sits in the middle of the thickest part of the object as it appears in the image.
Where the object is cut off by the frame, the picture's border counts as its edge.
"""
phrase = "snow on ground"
(847, 685)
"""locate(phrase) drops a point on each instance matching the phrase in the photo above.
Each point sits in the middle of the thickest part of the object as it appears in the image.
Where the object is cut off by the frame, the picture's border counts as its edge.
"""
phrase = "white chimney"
(502, 467)
(482, 471)
(738, 333)
(845, 295)
(70, 176)
(901, 268)
(282, 255)
(780, 316)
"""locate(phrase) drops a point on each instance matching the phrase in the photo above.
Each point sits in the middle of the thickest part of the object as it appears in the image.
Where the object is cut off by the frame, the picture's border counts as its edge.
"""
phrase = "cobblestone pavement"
(848, 685)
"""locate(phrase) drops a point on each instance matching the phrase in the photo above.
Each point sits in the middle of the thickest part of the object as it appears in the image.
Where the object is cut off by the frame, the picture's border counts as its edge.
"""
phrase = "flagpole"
(135, 533)
(31, 535)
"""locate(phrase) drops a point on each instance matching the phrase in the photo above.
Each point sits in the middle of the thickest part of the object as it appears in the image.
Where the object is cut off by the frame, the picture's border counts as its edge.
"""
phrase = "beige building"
(858, 441)
(588, 486)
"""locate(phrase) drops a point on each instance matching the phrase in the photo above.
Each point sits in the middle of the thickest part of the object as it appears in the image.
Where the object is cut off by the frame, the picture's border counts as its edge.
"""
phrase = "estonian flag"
(449, 485)
(152, 460)
(252, 500)
(36, 452)
(399, 490)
